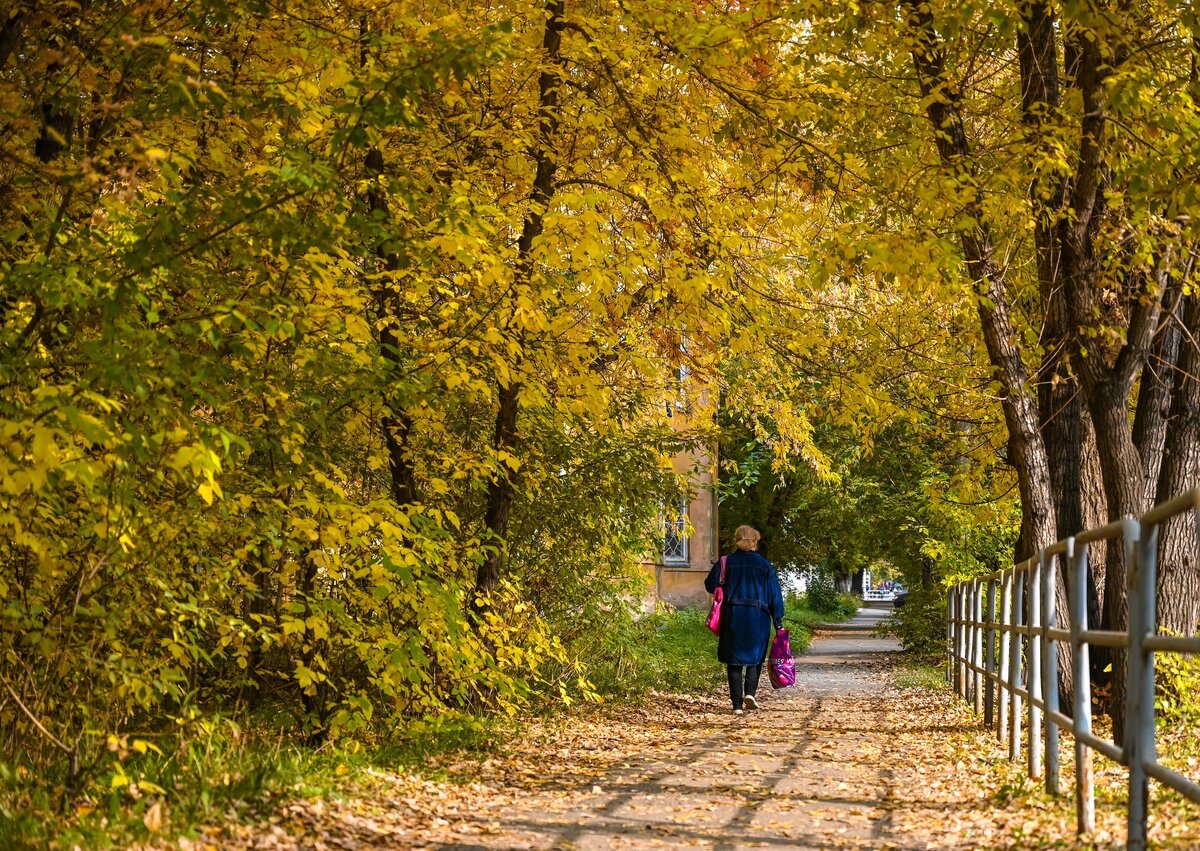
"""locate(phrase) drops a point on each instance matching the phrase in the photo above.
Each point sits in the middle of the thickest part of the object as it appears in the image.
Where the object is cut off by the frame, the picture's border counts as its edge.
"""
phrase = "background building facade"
(689, 543)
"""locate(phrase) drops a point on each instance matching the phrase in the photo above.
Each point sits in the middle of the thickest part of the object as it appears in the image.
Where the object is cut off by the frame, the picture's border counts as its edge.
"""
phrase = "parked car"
(901, 598)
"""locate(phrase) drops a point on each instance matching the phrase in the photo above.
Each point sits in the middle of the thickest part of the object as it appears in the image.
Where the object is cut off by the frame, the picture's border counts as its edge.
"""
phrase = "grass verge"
(674, 651)
(225, 774)
(920, 674)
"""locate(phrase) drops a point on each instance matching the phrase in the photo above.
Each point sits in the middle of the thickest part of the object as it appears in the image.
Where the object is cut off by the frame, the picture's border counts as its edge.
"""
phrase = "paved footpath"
(810, 770)
(843, 760)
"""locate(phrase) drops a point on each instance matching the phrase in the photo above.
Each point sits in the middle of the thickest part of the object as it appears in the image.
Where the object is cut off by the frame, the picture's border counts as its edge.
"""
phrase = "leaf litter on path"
(882, 768)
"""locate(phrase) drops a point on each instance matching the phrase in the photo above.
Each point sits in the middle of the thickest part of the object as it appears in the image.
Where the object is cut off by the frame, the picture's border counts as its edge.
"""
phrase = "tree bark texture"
(1106, 377)
(1061, 413)
(1155, 390)
(1095, 514)
(501, 490)
(1026, 449)
(1178, 591)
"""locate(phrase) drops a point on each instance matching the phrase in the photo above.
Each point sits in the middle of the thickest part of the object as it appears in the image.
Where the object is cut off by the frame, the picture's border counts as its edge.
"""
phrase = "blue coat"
(753, 601)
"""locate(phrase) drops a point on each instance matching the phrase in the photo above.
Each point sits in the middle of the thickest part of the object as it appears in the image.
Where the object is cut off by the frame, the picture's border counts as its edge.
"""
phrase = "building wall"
(681, 583)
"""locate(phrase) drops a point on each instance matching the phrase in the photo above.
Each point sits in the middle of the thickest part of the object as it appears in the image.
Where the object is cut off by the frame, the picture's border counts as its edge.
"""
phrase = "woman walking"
(753, 602)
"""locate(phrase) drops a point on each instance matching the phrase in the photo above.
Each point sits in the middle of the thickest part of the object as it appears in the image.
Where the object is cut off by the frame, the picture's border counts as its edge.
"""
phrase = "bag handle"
(721, 581)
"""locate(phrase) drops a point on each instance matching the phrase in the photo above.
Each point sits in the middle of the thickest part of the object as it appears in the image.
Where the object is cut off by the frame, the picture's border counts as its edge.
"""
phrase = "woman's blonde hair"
(746, 538)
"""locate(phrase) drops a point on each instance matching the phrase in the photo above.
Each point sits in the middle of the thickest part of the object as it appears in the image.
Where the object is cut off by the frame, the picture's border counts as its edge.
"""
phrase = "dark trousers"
(752, 673)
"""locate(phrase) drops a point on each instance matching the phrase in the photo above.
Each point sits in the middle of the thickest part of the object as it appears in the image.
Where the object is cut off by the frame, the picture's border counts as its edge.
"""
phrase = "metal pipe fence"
(1002, 637)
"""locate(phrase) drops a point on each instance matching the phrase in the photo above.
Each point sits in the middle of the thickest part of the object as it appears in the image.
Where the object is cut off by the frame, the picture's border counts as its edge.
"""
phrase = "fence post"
(968, 612)
(1050, 664)
(1139, 726)
(989, 655)
(1085, 794)
(977, 654)
(1006, 620)
(960, 685)
(960, 624)
(1034, 680)
(950, 636)
(965, 640)
(1016, 666)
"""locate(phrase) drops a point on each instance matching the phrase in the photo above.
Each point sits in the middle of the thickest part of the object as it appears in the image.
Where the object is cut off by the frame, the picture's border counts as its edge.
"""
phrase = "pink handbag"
(714, 614)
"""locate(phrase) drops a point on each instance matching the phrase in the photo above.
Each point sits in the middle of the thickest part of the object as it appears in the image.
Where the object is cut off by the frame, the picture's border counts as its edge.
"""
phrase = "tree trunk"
(1061, 413)
(396, 423)
(1157, 386)
(1062, 430)
(1107, 388)
(777, 509)
(1095, 514)
(1178, 591)
(501, 490)
(1106, 377)
(1027, 452)
(10, 35)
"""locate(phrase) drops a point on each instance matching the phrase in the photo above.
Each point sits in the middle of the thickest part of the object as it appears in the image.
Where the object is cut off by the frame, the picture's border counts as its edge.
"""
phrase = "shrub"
(1178, 695)
(920, 624)
(824, 599)
(821, 596)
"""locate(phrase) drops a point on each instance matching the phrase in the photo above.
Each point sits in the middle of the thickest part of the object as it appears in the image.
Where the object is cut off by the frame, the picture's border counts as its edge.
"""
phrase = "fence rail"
(1002, 634)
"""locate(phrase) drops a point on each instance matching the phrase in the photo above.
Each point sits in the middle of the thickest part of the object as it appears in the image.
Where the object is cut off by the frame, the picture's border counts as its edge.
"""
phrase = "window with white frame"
(675, 540)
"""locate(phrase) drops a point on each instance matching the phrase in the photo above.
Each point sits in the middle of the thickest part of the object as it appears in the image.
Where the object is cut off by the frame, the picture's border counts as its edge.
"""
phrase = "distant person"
(753, 602)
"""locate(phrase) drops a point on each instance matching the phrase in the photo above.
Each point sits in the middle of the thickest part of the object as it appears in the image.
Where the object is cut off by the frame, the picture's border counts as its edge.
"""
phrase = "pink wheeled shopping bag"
(780, 665)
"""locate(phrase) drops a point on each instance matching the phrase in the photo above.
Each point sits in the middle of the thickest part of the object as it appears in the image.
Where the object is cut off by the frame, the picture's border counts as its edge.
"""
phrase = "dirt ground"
(844, 760)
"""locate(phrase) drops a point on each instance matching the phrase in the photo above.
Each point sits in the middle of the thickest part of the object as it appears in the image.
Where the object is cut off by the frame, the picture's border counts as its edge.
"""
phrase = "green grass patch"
(673, 651)
(669, 651)
(921, 675)
(224, 773)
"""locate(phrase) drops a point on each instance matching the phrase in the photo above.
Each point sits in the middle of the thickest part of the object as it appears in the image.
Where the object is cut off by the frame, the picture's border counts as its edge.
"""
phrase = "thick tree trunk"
(772, 521)
(1178, 591)
(1095, 514)
(1106, 377)
(1062, 414)
(1121, 467)
(1062, 422)
(501, 490)
(1107, 387)
(1155, 391)
(1026, 450)
(1062, 430)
